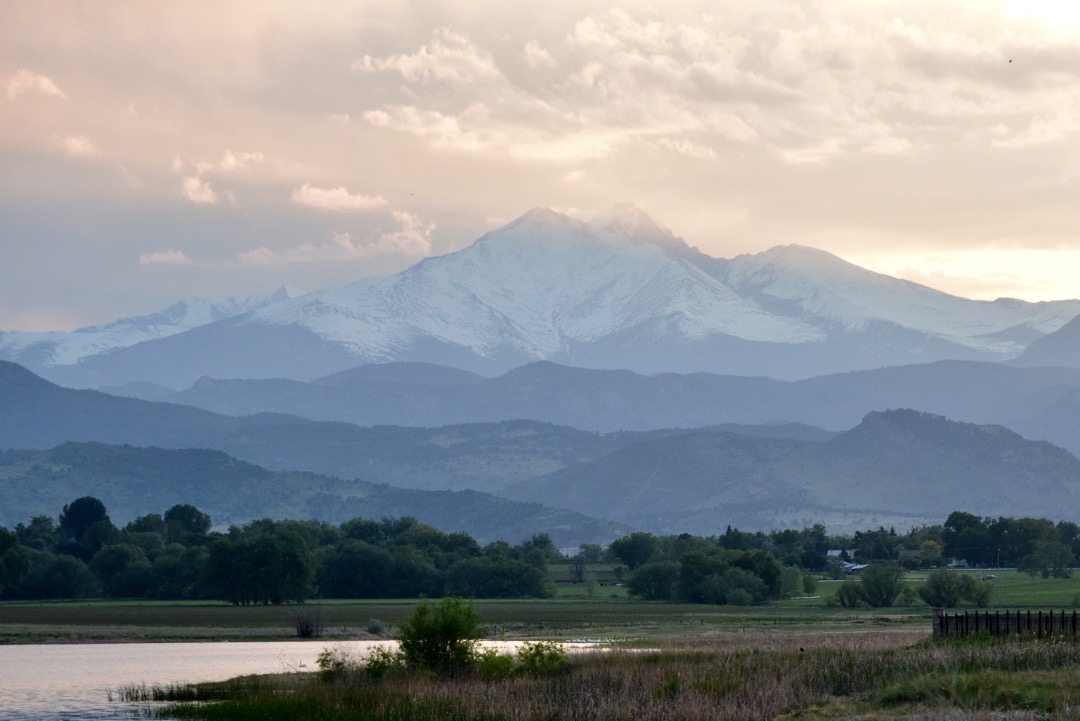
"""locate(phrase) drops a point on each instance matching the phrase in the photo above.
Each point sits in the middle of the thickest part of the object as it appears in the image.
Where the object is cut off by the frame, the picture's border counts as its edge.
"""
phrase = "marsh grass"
(751, 676)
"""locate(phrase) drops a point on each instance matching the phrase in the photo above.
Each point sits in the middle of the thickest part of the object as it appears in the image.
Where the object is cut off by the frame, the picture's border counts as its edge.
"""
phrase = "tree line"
(177, 555)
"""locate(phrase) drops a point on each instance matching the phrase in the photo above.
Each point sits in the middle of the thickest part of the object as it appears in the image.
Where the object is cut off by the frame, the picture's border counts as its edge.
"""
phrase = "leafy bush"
(541, 658)
(945, 589)
(908, 597)
(441, 638)
(850, 594)
(881, 584)
(375, 627)
(492, 665)
(739, 597)
(382, 661)
(333, 662)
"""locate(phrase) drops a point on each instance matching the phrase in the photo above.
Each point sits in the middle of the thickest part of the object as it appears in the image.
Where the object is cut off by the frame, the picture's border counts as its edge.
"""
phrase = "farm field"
(573, 613)
(530, 619)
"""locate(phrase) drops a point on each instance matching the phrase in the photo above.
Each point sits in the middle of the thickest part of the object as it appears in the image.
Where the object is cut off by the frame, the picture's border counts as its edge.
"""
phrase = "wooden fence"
(1006, 623)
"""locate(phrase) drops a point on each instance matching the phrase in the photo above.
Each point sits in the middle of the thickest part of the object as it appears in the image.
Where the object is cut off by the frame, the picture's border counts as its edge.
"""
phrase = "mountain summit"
(620, 292)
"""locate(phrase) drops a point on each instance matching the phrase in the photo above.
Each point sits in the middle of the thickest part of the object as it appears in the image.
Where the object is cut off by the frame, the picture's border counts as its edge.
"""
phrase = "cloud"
(411, 239)
(78, 145)
(337, 198)
(238, 161)
(536, 56)
(1039, 130)
(441, 131)
(685, 147)
(199, 191)
(448, 57)
(24, 81)
(808, 82)
(166, 257)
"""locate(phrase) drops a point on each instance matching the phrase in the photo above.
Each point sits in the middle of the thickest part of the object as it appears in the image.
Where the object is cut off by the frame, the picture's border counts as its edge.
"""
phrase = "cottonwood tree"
(14, 561)
(946, 589)
(881, 584)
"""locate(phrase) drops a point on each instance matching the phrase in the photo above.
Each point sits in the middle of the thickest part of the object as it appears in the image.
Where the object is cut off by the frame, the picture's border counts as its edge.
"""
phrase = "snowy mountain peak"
(285, 292)
(629, 221)
(620, 292)
(60, 348)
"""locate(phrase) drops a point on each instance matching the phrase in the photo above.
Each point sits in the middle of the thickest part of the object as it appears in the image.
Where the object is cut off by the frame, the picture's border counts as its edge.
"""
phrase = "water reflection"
(71, 682)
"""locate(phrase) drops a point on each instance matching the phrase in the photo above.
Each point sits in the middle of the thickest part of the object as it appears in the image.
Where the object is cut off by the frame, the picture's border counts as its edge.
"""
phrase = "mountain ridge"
(623, 292)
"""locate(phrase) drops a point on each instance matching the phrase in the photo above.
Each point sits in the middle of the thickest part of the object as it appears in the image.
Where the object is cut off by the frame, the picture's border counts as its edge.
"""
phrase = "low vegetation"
(807, 676)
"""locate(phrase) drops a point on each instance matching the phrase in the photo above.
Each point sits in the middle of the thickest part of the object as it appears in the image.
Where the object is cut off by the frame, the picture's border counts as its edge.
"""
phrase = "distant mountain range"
(1040, 403)
(56, 348)
(895, 467)
(620, 293)
(132, 482)
(898, 467)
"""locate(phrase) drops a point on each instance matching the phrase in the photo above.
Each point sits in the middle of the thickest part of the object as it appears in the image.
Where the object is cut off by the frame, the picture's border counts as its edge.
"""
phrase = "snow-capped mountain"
(835, 295)
(621, 292)
(66, 348)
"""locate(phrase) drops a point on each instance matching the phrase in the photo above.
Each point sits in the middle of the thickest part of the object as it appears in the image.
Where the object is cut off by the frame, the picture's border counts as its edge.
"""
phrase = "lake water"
(71, 682)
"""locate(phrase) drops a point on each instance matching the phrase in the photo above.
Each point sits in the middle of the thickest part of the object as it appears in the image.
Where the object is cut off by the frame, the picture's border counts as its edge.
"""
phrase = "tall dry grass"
(872, 675)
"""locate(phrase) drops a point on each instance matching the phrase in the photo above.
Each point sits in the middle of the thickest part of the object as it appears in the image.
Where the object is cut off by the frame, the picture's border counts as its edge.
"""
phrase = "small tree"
(579, 568)
(14, 561)
(441, 638)
(881, 584)
(310, 621)
(850, 594)
(945, 589)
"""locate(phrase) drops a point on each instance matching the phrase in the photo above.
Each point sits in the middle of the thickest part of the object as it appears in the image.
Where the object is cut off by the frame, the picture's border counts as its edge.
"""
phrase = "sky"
(152, 151)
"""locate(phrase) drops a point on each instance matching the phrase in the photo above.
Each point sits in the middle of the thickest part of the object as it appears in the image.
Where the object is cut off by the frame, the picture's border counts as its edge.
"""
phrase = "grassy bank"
(742, 676)
(572, 614)
(111, 621)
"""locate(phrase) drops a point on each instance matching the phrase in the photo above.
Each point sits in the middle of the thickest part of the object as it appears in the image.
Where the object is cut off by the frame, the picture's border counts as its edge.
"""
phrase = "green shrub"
(492, 665)
(441, 638)
(740, 597)
(375, 627)
(908, 597)
(333, 662)
(382, 661)
(541, 658)
(850, 594)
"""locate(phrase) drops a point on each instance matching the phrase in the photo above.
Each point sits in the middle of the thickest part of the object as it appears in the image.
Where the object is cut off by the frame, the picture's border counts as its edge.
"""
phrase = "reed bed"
(826, 676)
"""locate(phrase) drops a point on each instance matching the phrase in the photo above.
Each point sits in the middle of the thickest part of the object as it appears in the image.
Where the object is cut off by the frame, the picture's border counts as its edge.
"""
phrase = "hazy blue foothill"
(1040, 403)
(898, 466)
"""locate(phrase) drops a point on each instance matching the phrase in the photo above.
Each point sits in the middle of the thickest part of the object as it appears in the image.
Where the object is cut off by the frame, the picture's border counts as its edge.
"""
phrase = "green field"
(577, 611)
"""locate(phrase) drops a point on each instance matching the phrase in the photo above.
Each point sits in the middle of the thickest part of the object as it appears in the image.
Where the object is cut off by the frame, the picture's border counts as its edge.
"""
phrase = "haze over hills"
(622, 292)
(897, 467)
(894, 467)
(1039, 403)
(132, 482)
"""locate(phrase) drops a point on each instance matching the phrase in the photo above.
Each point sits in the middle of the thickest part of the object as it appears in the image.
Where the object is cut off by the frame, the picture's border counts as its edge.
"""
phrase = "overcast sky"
(154, 150)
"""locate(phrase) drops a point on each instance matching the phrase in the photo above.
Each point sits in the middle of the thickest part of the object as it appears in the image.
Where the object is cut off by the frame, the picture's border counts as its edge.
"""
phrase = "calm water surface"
(71, 682)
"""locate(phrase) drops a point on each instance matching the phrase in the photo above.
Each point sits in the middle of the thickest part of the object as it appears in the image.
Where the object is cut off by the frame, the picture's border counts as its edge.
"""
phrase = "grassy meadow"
(577, 611)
